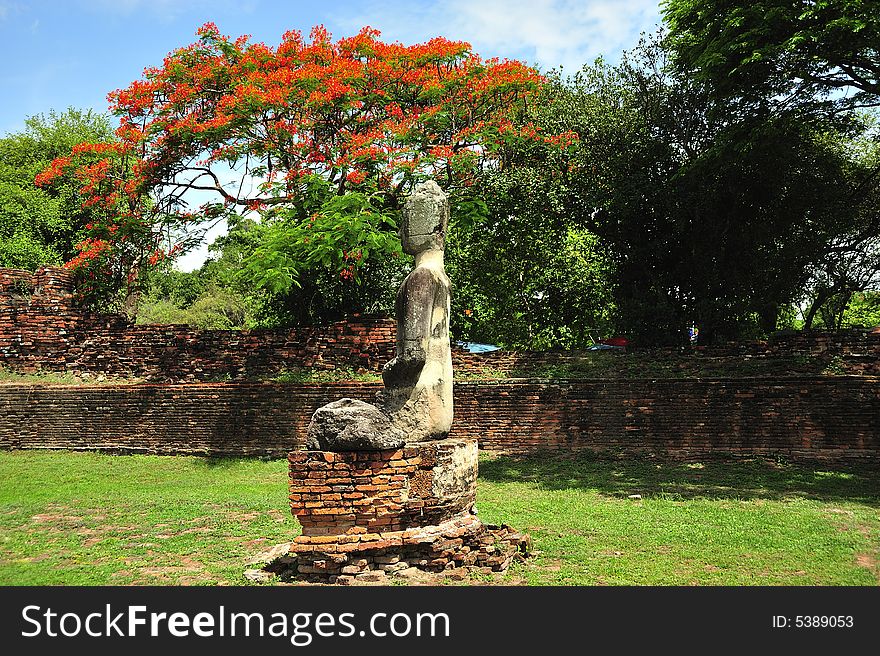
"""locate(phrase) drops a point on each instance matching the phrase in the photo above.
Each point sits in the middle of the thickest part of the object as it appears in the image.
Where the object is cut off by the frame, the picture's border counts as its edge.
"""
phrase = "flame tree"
(323, 136)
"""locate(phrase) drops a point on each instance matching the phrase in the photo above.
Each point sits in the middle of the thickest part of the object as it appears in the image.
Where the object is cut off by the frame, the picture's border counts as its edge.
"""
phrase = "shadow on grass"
(230, 461)
(752, 479)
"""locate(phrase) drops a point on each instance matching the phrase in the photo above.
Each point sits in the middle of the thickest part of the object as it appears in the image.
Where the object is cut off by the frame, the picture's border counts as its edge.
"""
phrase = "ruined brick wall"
(42, 329)
(831, 419)
(856, 352)
(820, 418)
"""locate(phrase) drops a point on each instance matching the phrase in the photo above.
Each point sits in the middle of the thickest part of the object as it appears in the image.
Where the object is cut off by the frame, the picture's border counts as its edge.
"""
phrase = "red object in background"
(615, 341)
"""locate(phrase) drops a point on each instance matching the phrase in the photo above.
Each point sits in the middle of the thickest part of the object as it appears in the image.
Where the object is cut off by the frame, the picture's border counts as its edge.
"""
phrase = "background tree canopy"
(773, 50)
(818, 63)
(724, 175)
(39, 226)
(315, 135)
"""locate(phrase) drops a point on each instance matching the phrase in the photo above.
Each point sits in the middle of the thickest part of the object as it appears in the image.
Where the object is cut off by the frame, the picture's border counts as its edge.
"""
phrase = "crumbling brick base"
(368, 514)
(463, 544)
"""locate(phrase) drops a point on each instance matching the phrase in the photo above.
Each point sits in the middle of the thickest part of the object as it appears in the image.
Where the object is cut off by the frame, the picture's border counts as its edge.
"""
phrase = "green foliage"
(712, 217)
(703, 189)
(10, 377)
(322, 258)
(771, 52)
(851, 263)
(42, 226)
(213, 309)
(863, 310)
(526, 272)
(326, 376)
(345, 234)
(855, 310)
(207, 298)
(284, 270)
(817, 62)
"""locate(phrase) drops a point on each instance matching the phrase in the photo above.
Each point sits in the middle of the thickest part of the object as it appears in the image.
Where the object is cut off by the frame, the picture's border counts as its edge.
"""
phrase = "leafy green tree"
(525, 271)
(357, 115)
(224, 292)
(215, 308)
(325, 256)
(851, 262)
(43, 226)
(776, 51)
(712, 216)
(815, 62)
(863, 310)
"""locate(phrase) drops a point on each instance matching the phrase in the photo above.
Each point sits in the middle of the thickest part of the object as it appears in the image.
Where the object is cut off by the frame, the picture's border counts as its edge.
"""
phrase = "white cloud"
(8, 9)
(547, 32)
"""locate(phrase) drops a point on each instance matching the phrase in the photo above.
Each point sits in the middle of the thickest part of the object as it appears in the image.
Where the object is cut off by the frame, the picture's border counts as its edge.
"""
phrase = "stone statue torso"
(416, 404)
(418, 381)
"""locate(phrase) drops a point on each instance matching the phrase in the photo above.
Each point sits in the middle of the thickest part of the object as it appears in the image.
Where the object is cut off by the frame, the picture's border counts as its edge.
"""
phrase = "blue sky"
(62, 53)
(71, 53)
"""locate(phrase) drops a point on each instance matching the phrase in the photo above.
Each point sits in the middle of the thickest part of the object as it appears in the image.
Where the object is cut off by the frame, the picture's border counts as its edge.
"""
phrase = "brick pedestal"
(368, 513)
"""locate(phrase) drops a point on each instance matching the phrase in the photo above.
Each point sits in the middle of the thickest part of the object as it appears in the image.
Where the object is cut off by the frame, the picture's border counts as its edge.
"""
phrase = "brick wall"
(857, 352)
(370, 492)
(833, 419)
(42, 329)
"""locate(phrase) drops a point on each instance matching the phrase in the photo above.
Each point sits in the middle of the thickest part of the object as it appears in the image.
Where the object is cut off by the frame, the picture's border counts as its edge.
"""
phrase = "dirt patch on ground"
(279, 516)
(553, 565)
(55, 518)
(869, 561)
(185, 567)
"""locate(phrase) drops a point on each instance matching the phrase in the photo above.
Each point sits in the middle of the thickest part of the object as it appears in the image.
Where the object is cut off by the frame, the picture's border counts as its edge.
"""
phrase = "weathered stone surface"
(391, 568)
(418, 381)
(417, 399)
(414, 575)
(258, 575)
(351, 425)
(458, 472)
(426, 217)
(456, 573)
(271, 555)
(372, 576)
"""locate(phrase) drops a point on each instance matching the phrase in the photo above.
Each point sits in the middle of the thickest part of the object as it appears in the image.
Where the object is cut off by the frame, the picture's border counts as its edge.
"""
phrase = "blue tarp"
(474, 347)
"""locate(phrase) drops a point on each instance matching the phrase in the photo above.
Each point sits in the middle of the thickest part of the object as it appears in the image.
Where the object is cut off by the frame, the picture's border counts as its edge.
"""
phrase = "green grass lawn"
(86, 518)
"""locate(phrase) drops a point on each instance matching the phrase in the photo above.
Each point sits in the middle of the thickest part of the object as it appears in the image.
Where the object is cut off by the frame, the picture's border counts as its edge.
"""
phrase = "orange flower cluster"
(357, 111)
(89, 250)
(54, 170)
(323, 107)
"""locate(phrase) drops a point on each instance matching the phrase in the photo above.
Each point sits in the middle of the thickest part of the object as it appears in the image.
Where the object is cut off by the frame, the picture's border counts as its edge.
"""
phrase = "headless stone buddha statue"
(416, 404)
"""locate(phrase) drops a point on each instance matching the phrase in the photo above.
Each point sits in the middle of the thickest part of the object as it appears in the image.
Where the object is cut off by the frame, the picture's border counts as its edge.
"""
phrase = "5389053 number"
(823, 621)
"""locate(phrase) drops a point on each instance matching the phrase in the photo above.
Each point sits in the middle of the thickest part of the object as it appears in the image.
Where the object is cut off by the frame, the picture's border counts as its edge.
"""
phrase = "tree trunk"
(817, 303)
